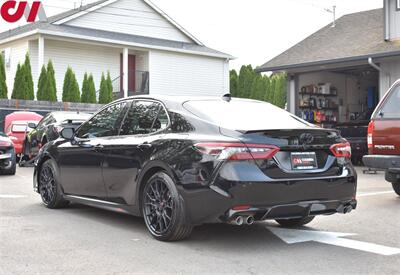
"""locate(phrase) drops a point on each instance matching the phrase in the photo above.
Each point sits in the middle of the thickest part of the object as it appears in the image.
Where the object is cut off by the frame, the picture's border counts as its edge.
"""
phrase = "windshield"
(244, 115)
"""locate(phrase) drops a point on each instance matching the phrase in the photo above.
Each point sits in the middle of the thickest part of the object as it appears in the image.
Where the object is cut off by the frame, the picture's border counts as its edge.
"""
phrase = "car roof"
(61, 116)
(176, 101)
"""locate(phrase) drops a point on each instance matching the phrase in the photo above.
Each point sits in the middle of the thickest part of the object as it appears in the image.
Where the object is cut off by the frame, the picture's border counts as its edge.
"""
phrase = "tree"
(105, 95)
(29, 92)
(92, 90)
(51, 78)
(256, 88)
(20, 85)
(85, 89)
(246, 77)
(71, 87)
(3, 84)
(88, 89)
(233, 77)
(42, 85)
(110, 86)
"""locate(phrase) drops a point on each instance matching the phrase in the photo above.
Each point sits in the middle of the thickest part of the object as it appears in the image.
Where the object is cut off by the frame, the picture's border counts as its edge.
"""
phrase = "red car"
(384, 137)
(16, 127)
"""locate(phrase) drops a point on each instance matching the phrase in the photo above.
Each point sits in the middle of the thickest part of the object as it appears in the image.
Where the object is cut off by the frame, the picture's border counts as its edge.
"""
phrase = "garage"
(337, 76)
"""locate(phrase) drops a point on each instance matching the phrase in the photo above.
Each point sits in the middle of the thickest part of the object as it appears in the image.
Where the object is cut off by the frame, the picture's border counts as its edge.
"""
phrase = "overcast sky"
(254, 31)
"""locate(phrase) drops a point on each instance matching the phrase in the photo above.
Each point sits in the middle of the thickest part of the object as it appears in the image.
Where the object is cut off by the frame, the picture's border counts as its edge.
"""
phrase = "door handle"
(145, 145)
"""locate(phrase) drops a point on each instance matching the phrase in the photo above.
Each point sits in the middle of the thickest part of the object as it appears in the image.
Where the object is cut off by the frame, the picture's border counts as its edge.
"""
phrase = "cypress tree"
(110, 87)
(103, 96)
(51, 78)
(233, 80)
(20, 85)
(3, 84)
(92, 90)
(29, 92)
(255, 87)
(70, 87)
(85, 89)
(42, 85)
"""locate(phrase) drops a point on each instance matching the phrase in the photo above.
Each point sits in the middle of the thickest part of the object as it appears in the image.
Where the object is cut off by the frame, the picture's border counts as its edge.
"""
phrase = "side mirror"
(67, 133)
(32, 125)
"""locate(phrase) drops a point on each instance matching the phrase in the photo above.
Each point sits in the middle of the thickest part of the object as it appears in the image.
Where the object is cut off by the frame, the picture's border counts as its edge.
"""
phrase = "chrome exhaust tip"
(239, 220)
(249, 220)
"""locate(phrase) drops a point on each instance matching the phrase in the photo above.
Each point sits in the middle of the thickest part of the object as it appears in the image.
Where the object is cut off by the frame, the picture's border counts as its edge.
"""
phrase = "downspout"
(386, 19)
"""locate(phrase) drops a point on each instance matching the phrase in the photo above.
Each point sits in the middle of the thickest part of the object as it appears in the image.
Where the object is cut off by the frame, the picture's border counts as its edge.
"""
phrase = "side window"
(391, 107)
(144, 117)
(104, 124)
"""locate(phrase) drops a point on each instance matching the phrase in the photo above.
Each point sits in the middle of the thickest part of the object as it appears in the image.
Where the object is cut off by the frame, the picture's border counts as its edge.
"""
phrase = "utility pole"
(333, 11)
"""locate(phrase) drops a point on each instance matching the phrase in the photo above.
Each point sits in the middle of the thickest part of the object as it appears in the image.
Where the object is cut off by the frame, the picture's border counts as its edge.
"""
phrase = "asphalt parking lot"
(84, 240)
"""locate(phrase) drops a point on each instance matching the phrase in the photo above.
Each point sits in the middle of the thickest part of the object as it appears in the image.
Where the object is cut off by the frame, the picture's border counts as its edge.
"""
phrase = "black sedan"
(7, 156)
(181, 162)
(49, 128)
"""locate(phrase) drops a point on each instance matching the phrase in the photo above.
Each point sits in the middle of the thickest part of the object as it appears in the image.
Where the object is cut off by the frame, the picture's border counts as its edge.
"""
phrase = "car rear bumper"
(383, 162)
(273, 199)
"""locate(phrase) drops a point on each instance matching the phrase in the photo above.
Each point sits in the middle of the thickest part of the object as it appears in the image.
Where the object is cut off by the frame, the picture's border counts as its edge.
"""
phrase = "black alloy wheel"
(48, 187)
(163, 209)
(159, 206)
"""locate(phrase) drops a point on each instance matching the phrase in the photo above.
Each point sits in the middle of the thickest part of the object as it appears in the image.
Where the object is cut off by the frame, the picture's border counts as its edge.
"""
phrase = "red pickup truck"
(384, 137)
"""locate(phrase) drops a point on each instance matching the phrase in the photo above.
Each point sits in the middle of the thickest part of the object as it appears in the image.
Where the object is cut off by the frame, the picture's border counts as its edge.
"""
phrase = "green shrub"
(3, 84)
(88, 89)
(51, 79)
(42, 85)
(105, 95)
(29, 92)
(71, 87)
(20, 85)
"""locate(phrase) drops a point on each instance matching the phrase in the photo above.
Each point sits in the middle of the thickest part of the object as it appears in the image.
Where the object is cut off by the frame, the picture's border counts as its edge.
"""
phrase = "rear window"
(20, 128)
(244, 115)
(390, 108)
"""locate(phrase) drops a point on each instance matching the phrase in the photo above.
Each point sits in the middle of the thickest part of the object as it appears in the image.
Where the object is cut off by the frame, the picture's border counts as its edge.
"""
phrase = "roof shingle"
(355, 36)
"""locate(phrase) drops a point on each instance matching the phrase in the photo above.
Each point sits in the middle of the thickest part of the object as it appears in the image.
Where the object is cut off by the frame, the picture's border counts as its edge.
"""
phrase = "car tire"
(12, 170)
(164, 210)
(295, 222)
(396, 187)
(49, 186)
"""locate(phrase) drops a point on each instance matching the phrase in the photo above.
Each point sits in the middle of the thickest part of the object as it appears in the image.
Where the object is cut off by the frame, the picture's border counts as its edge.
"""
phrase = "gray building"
(341, 71)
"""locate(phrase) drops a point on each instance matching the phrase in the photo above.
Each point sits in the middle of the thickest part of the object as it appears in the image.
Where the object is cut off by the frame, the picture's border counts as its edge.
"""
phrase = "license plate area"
(301, 161)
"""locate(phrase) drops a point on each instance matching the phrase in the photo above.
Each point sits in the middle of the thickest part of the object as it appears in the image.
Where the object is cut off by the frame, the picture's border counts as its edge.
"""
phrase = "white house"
(124, 37)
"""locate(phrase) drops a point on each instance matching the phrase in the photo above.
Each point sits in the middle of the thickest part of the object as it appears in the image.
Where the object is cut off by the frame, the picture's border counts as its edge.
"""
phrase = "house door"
(131, 73)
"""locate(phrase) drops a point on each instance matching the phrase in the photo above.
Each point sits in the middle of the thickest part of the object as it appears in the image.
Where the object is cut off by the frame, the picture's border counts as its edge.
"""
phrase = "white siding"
(182, 74)
(130, 17)
(81, 58)
(18, 49)
(390, 73)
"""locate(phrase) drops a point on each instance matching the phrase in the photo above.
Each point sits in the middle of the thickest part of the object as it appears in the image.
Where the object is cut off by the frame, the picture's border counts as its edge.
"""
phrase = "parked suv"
(384, 137)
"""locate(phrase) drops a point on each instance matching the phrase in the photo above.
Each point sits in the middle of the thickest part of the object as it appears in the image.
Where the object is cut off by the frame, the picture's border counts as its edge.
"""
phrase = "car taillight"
(238, 151)
(341, 150)
(371, 128)
(5, 143)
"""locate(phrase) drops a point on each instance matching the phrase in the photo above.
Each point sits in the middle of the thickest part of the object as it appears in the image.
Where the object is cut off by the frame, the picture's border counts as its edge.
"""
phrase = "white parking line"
(12, 196)
(375, 194)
